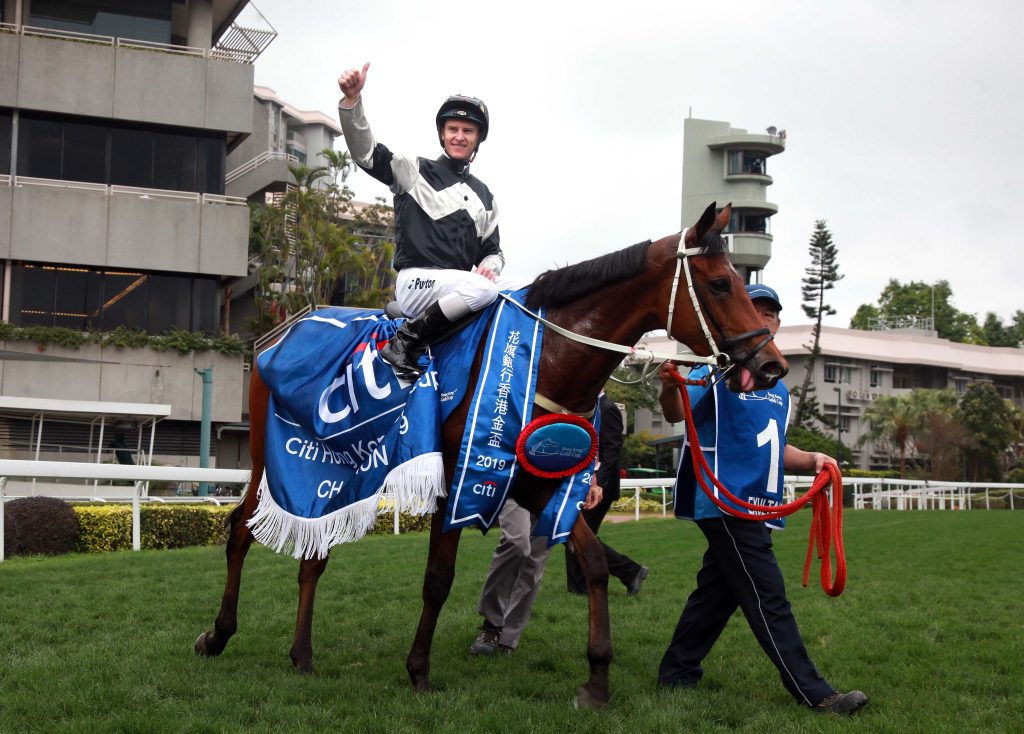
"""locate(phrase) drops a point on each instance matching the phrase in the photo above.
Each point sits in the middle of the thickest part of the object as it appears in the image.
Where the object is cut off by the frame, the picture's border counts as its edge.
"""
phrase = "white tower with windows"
(725, 164)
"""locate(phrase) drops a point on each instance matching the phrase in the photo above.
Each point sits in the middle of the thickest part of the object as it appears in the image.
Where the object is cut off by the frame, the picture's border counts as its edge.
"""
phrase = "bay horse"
(615, 298)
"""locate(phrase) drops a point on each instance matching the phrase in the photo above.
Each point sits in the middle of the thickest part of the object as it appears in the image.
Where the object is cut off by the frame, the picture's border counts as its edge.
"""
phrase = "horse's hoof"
(587, 700)
(422, 686)
(302, 665)
(203, 646)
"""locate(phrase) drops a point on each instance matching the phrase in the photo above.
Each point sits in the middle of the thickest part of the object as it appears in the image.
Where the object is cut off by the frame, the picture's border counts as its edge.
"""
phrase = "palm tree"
(891, 419)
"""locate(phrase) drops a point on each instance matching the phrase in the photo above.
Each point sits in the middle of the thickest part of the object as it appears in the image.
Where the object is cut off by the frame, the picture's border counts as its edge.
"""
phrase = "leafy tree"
(315, 241)
(915, 299)
(811, 439)
(939, 438)
(625, 387)
(820, 276)
(891, 422)
(999, 335)
(637, 451)
(923, 426)
(992, 425)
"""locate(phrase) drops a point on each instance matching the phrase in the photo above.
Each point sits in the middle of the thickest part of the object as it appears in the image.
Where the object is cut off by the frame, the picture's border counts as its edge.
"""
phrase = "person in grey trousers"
(513, 579)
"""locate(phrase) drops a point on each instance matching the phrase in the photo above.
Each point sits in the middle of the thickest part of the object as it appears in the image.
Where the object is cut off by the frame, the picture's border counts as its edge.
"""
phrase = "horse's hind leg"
(591, 555)
(302, 646)
(437, 583)
(212, 642)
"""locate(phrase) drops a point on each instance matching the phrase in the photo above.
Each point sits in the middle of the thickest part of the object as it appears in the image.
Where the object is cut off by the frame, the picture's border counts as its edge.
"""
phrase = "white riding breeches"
(417, 288)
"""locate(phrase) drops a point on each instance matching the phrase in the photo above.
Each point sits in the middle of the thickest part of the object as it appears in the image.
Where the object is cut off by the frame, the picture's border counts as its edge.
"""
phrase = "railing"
(242, 55)
(19, 181)
(147, 193)
(138, 191)
(226, 200)
(877, 494)
(5, 179)
(141, 475)
(166, 48)
(254, 163)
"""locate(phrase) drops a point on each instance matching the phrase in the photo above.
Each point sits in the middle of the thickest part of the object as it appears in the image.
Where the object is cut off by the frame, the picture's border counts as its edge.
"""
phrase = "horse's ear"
(722, 221)
(707, 219)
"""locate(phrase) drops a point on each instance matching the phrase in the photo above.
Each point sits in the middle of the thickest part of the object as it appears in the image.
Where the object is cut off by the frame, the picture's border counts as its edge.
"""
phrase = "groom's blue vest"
(743, 436)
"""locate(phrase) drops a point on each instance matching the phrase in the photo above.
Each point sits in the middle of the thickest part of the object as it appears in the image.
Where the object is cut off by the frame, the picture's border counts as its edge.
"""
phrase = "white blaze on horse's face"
(460, 139)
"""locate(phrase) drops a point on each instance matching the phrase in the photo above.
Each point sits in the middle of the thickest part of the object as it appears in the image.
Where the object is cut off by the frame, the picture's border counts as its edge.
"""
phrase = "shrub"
(39, 525)
(385, 524)
(628, 504)
(109, 527)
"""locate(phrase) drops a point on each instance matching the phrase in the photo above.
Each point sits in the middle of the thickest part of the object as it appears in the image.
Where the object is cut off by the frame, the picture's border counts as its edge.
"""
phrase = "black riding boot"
(404, 349)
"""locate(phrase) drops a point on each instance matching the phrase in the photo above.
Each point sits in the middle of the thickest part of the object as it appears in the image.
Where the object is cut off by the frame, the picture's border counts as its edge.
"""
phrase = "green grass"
(930, 626)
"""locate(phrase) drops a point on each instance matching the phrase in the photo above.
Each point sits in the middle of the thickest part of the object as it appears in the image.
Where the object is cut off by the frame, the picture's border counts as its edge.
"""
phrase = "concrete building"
(116, 119)
(726, 164)
(281, 135)
(856, 367)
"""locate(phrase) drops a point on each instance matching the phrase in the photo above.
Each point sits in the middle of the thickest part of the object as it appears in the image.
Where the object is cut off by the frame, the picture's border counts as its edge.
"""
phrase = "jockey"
(446, 223)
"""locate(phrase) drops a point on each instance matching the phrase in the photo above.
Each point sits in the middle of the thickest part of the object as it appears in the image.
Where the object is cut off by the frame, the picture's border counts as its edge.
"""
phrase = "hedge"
(109, 527)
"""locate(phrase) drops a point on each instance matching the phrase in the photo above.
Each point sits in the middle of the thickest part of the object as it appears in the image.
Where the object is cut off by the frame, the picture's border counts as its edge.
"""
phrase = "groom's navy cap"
(759, 290)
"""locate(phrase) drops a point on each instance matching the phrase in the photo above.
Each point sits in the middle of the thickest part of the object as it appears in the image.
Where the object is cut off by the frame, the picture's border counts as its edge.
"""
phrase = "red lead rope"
(826, 530)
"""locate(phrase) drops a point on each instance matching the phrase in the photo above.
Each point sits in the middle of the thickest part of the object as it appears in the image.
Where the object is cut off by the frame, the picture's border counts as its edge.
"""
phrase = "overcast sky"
(904, 122)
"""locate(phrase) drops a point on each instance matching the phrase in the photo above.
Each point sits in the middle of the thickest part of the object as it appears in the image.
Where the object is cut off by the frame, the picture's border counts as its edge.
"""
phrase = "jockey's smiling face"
(460, 138)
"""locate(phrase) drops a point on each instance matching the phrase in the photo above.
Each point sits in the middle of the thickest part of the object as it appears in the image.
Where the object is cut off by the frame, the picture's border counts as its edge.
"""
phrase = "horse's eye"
(719, 286)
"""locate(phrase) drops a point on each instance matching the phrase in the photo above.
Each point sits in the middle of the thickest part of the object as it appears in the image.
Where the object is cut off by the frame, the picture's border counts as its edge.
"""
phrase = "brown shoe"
(842, 703)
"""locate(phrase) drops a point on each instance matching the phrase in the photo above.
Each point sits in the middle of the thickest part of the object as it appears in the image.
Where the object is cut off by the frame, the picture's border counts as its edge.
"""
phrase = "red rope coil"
(826, 532)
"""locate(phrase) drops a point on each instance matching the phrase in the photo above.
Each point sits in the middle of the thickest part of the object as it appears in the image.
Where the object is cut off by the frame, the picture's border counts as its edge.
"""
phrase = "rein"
(826, 531)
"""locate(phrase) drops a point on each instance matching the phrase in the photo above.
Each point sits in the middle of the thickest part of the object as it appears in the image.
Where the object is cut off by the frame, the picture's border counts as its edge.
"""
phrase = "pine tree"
(821, 275)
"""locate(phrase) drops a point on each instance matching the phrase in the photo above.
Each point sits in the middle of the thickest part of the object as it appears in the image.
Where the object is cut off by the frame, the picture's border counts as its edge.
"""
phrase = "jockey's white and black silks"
(743, 436)
(417, 288)
(341, 429)
(444, 216)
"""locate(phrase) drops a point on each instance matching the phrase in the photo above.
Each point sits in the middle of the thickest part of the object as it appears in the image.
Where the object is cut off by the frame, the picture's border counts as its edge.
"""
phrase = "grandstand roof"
(903, 348)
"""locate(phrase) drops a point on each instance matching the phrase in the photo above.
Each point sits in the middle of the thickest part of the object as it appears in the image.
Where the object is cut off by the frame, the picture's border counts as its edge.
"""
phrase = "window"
(145, 20)
(83, 298)
(174, 162)
(39, 147)
(131, 157)
(6, 118)
(838, 373)
(84, 149)
(876, 376)
(750, 162)
(212, 153)
(749, 220)
(84, 153)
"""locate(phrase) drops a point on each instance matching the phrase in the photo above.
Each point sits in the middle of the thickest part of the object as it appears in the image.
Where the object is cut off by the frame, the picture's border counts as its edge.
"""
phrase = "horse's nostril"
(772, 371)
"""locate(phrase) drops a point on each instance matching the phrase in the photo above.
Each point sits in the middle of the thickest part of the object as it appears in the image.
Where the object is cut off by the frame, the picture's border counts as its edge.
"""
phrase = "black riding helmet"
(461, 107)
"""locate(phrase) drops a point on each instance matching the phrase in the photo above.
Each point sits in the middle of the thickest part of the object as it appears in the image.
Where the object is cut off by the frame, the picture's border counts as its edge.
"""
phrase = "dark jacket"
(609, 451)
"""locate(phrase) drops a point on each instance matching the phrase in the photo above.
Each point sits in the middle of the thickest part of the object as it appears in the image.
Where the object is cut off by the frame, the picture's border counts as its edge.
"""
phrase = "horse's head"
(717, 317)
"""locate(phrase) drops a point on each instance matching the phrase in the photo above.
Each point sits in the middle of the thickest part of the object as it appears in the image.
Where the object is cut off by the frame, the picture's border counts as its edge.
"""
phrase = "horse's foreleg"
(591, 555)
(212, 642)
(437, 583)
(302, 646)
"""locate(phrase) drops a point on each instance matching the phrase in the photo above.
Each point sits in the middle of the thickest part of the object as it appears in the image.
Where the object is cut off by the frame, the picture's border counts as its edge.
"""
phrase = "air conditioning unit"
(853, 393)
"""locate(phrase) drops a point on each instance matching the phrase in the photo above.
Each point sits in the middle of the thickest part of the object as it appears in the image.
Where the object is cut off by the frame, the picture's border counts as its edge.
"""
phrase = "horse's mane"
(565, 285)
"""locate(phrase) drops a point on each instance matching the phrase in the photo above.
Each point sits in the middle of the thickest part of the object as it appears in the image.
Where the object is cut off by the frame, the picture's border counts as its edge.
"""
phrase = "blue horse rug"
(342, 430)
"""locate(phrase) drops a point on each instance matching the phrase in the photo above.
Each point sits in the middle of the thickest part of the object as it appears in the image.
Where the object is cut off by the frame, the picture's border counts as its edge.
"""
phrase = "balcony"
(103, 76)
(104, 373)
(72, 222)
(266, 172)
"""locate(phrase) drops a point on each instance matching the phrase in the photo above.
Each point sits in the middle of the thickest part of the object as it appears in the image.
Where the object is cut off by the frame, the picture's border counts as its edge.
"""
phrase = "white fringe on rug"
(414, 486)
